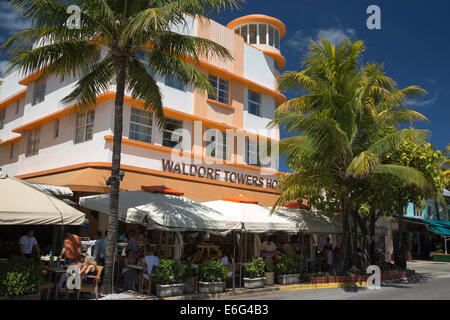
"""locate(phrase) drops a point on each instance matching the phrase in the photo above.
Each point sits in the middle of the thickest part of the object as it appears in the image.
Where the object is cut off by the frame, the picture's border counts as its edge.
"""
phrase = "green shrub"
(19, 277)
(289, 263)
(255, 269)
(7, 248)
(269, 267)
(212, 271)
(169, 271)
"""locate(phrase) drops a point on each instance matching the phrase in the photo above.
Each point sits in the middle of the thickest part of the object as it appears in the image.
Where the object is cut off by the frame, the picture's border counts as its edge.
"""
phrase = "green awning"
(437, 226)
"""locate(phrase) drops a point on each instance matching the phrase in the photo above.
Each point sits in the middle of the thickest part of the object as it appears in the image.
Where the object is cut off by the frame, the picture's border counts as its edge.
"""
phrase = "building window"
(39, 93)
(17, 107)
(277, 38)
(2, 119)
(170, 137)
(222, 88)
(85, 126)
(254, 103)
(244, 33)
(11, 151)
(252, 152)
(271, 42)
(263, 33)
(56, 132)
(33, 142)
(141, 125)
(216, 147)
(174, 82)
(252, 32)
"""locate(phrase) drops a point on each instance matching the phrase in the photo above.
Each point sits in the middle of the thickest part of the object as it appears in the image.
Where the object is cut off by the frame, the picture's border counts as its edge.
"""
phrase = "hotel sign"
(202, 171)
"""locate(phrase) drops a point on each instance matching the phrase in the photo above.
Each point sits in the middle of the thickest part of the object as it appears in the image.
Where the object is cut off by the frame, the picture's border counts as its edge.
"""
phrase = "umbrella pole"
(234, 261)
(240, 265)
(445, 241)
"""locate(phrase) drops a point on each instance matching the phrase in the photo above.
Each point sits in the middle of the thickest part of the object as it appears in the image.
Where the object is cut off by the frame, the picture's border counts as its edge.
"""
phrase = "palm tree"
(344, 118)
(110, 45)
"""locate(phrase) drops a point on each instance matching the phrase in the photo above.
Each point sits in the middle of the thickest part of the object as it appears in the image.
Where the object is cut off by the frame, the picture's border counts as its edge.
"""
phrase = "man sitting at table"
(151, 261)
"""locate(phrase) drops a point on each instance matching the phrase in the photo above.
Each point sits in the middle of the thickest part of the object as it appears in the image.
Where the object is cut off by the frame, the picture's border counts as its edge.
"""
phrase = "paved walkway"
(432, 283)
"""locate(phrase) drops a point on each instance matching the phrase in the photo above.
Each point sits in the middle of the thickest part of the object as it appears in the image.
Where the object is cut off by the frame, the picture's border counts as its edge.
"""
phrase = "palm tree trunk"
(372, 236)
(342, 256)
(113, 220)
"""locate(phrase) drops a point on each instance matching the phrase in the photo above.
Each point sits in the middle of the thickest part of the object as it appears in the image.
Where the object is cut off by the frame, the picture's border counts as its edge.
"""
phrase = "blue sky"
(413, 43)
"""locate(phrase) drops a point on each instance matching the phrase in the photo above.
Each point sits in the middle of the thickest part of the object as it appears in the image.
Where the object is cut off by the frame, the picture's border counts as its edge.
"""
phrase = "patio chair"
(93, 287)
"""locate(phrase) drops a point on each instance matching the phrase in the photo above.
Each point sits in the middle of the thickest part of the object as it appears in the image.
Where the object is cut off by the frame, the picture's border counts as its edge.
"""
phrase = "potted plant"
(212, 275)
(20, 279)
(255, 274)
(269, 273)
(189, 281)
(169, 278)
(288, 268)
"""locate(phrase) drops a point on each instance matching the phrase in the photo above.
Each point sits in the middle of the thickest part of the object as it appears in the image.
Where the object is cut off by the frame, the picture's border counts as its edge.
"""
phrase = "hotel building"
(44, 141)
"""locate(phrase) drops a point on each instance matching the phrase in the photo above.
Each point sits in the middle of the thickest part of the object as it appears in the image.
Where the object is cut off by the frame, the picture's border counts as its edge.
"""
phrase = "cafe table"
(54, 270)
(140, 270)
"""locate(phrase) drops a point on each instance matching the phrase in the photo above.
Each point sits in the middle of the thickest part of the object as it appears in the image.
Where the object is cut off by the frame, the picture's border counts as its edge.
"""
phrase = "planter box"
(211, 287)
(254, 283)
(269, 278)
(319, 279)
(441, 257)
(331, 279)
(36, 296)
(288, 279)
(189, 285)
(169, 290)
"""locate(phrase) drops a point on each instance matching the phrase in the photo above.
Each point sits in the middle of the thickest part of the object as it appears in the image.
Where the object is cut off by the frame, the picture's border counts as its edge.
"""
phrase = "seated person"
(130, 275)
(150, 262)
(86, 265)
(214, 255)
(190, 250)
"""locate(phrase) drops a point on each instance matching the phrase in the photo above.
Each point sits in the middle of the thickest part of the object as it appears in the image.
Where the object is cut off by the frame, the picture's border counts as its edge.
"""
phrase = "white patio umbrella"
(309, 221)
(21, 203)
(254, 218)
(164, 212)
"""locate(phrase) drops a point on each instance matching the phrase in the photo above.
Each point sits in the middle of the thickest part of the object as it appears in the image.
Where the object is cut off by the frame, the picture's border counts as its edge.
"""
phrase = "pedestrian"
(268, 248)
(71, 249)
(27, 243)
(98, 236)
(101, 250)
(132, 244)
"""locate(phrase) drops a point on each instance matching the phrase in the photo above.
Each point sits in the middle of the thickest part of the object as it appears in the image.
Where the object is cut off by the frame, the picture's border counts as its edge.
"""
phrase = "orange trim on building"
(10, 141)
(240, 199)
(259, 18)
(277, 57)
(109, 95)
(220, 104)
(30, 78)
(145, 171)
(162, 189)
(190, 155)
(15, 97)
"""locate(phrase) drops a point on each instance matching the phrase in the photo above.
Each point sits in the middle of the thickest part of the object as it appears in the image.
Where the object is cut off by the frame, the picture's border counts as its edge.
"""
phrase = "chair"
(93, 287)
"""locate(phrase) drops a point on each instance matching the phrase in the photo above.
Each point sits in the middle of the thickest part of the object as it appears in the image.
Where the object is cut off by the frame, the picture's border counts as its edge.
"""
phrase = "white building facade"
(223, 137)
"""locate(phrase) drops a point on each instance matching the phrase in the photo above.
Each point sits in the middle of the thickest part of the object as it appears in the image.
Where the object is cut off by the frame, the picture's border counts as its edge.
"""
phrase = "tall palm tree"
(344, 118)
(118, 41)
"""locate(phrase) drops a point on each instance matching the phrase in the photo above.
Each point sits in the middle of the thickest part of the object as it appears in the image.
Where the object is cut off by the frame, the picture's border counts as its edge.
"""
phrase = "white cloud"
(300, 41)
(421, 103)
(11, 22)
(3, 68)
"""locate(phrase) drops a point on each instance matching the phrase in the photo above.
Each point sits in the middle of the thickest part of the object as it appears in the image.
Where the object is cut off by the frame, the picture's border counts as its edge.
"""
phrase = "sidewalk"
(261, 291)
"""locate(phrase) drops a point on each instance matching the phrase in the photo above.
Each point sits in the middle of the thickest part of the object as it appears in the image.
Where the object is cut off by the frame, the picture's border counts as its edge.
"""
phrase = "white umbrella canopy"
(163, 211)
(21, 203)
(254, 218)
(311, 221)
